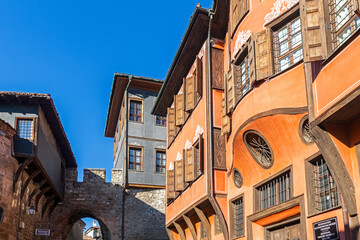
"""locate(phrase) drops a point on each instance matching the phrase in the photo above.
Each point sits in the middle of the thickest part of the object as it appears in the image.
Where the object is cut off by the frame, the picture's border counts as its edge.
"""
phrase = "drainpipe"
(212, 198)
(126, 158)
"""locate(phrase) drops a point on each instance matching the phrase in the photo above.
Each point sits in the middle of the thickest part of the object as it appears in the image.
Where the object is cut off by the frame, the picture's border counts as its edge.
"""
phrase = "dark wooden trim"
(204, 221)
(150, 139)
(309, 90)
(249, 231)
(303, 219)
(301, 135)
(190, 226)
(336, 107)
(337, 167)
(31, 177)
(38, 197)
(21, 168)
(357, 149)
(277, 208)
(170, 234)
(180, 231)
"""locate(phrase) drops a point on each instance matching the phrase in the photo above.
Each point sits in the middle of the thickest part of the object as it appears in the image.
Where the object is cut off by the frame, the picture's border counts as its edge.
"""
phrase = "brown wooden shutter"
(225, 119)
(171, 124)
(263, 54)
(217, 68)
(199, 78)
(190, 99)
(179, 109)
(199, 162)
(252, 65)
(179, 175)
(239, 9)
(219, 149)
(170, 184)
(230, 89)
(357, 7)
(189, 165)
(313, 30)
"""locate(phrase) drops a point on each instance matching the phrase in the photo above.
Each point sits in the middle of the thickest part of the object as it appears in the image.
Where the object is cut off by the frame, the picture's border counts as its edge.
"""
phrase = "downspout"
(126, 156)
(210, 151)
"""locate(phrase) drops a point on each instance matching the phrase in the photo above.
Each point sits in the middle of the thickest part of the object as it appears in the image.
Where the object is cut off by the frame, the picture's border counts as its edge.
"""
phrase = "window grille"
(238, 217)
(242, 81)
(160, 120)
(275, 191)
(288, 48)
(325, 187)
(135, 158)
(135, 111)
(343, 21)
(160, 161)
(24, 128)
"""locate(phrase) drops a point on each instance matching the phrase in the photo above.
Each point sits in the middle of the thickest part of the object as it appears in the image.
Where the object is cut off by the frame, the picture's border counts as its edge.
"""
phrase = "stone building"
(262, 102)
(139, 154)
(34, 156)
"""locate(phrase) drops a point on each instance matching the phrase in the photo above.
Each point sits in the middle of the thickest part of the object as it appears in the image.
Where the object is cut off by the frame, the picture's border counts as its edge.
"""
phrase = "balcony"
(23, 147)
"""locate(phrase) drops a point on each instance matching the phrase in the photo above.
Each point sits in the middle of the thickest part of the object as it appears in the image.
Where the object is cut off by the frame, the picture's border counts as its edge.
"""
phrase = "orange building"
(262, 101)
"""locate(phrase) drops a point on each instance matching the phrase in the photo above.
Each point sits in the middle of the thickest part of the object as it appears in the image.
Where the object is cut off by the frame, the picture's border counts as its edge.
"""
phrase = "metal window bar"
(280, 61)
(238, 217)
(242, 80)
(24, 128)
(326, 191)
(343, 21)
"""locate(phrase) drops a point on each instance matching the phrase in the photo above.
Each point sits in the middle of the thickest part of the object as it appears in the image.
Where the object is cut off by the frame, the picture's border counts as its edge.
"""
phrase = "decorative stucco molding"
(199, 131)
(179, 156)
(188, 144)
(171, 166)
(241, 39)
(280, 6)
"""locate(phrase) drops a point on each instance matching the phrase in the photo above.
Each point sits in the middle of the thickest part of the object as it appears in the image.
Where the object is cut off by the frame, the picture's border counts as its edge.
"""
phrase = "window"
(242, 79)
(160, 161)
(160, 120)
(135, 111)
(343, 20)
(275, 191)
(259, 148)
(237, 217)
(24, 128)
(135, 156)
(326, 196)
(287, 45)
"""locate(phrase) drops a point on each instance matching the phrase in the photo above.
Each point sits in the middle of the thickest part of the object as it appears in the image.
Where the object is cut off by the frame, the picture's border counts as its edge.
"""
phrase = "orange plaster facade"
(271, 132)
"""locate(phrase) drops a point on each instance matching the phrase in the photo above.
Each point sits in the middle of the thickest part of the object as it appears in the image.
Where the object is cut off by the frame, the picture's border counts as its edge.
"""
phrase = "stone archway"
(93, 198)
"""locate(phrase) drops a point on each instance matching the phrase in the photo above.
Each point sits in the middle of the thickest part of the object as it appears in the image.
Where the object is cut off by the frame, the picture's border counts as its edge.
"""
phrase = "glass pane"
(296, 40)
(283, 47)
(163, 170)
(282, 34)
(284, 63)
(343, 15)
(137, 159)
(295, 26)
(25, 128)
(138, 167)
(131, 166)
(164, 162)
(157, 169)
(357, 23)
(344, 35)
(137, 153)
(298, 55)
(158, 162)
(131, 159)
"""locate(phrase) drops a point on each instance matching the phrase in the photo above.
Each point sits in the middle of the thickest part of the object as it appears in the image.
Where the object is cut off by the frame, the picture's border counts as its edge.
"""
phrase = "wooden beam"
(48, 201)
(31, 177)
(170, 234)
(36, 189)
(191, 227)
(180, 231)
(204, 221)
(38, 197)
(21, 168)
(52, 208)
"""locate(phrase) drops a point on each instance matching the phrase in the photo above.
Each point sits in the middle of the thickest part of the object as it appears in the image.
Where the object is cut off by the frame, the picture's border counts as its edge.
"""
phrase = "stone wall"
(76, 232)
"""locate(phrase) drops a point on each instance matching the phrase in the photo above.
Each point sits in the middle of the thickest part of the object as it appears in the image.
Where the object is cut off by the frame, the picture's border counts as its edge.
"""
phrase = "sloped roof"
(47, 105)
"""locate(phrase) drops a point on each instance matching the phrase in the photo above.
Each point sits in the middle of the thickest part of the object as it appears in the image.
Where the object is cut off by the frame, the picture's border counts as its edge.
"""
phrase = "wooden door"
(290, 232)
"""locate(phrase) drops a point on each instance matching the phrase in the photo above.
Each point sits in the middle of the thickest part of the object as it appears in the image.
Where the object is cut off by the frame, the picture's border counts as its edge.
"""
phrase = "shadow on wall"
(142, 212)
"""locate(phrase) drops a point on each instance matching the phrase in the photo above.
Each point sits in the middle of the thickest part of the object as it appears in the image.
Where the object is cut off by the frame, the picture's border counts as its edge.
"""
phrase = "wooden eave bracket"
(204, 221)
(20, 170)
(191, 226)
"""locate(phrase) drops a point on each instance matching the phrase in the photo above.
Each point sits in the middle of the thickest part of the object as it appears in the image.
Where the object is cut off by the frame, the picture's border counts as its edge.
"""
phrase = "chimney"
(94, 223)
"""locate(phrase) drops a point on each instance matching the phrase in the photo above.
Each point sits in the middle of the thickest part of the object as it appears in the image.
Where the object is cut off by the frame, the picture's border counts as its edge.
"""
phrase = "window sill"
(132, 170)
(325, 211)
(130, 121)
(159, 125)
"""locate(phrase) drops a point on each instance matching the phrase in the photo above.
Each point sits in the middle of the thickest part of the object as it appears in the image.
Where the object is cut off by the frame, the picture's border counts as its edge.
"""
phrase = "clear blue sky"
(71, 49)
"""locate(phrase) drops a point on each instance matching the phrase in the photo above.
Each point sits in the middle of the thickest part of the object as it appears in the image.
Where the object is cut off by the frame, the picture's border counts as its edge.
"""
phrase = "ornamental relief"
(280, 6)
(259, 148)
(241, 39)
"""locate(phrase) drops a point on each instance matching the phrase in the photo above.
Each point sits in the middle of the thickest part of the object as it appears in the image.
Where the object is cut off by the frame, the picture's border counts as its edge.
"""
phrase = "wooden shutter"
(263, 54)
(217, 68)
(190, 99)
(179, 175)
(239, 9)
(170, 184)
(199, 78)
(313, 30)
(219, 149)
(199, 157)
(170, 124)
(179, 109)
(189, 165)
(252, 65)
(225, 119)
(230, 89)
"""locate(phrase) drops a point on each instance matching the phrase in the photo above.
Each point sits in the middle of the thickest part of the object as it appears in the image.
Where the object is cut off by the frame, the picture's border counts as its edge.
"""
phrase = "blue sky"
(71, 49)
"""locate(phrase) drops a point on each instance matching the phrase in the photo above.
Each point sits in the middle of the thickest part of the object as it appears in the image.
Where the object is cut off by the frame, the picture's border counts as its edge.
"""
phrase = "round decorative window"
(238, 180)
(259, 148)
(304, 131)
